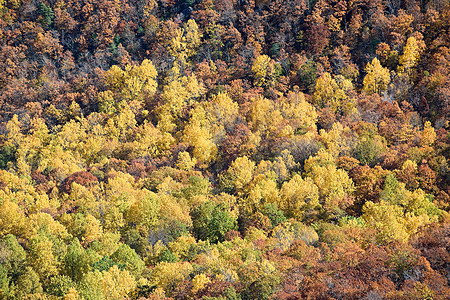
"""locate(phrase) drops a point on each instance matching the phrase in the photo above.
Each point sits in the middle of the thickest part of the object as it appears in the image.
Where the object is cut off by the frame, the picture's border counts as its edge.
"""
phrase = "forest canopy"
(224, 149)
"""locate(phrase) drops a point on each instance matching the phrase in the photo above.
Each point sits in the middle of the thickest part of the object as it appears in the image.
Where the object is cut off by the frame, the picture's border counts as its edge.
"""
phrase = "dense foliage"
(224, 149)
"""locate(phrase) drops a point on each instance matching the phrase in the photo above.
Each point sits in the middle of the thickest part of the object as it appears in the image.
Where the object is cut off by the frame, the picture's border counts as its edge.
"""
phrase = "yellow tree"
(400, 212)
(91, 286)
(197, 134)
(390, 221)
(377, 77)
(262, 70)
(192, 36)
(428, 136)
(117, 284)
(177, 94)
(199, 282)
(130, 85)
(143, 213)
(285, 234)
(72, 294)
(149, 140)
(169, 275)
(222, 113)
(338, 140)
(299, 197)
(264, 116)
(409, 58)
(185, 43)
(43, 221)
(301, 114)
(185, 162)
(333, 93)
(335, 186)
(12, 219)
(263, 190)
(239, 175)
(41, 257)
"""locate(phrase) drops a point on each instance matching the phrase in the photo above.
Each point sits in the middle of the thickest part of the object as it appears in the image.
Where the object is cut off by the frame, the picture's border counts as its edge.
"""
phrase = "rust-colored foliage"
(83, 178)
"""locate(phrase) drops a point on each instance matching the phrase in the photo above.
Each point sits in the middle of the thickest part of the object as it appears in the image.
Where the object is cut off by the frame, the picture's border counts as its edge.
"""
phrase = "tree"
(143, 213)
(127, 257)
(91, 286)
(263, 70)
(117, 284)
(285, 234)
(76, 262)
(390, 222)
(428, 135)
(264, 117)
(238, 175)
(135, 83)
(333, 93)
(28, 283)
(199, 282)
(169, 275)
(59, 285)
(302, 115)
(377, 77)
(410, 57)
(185, 162)
(222, 114)
(13, 256)
(299, 197)
(262, 190)
(197, 133)
(46, 13)
(185, 43)
(335, 186)
(211, 221)
(12, 219)
(42, 258)
(179, 92)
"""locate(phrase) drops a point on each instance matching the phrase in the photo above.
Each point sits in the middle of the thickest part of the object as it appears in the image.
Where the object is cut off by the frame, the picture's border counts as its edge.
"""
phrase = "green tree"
(59, 285)
(129, 259)
(76, 262)
(42, 258)
(211, 221)
(29, 283)
(13, 257)
(46, 13)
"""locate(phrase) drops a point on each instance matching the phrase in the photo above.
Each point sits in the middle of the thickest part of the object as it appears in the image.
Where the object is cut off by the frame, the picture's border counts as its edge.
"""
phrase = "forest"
(224, 149)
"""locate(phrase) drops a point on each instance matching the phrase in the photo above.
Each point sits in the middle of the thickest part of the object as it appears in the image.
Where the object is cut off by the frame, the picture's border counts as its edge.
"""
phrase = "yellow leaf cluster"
(335, 186)
(377, 78)
(299, 196)
(334, 93)
(261, 69)
(132, 83)
(168, 275)
(410, 57)
(117, 284)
